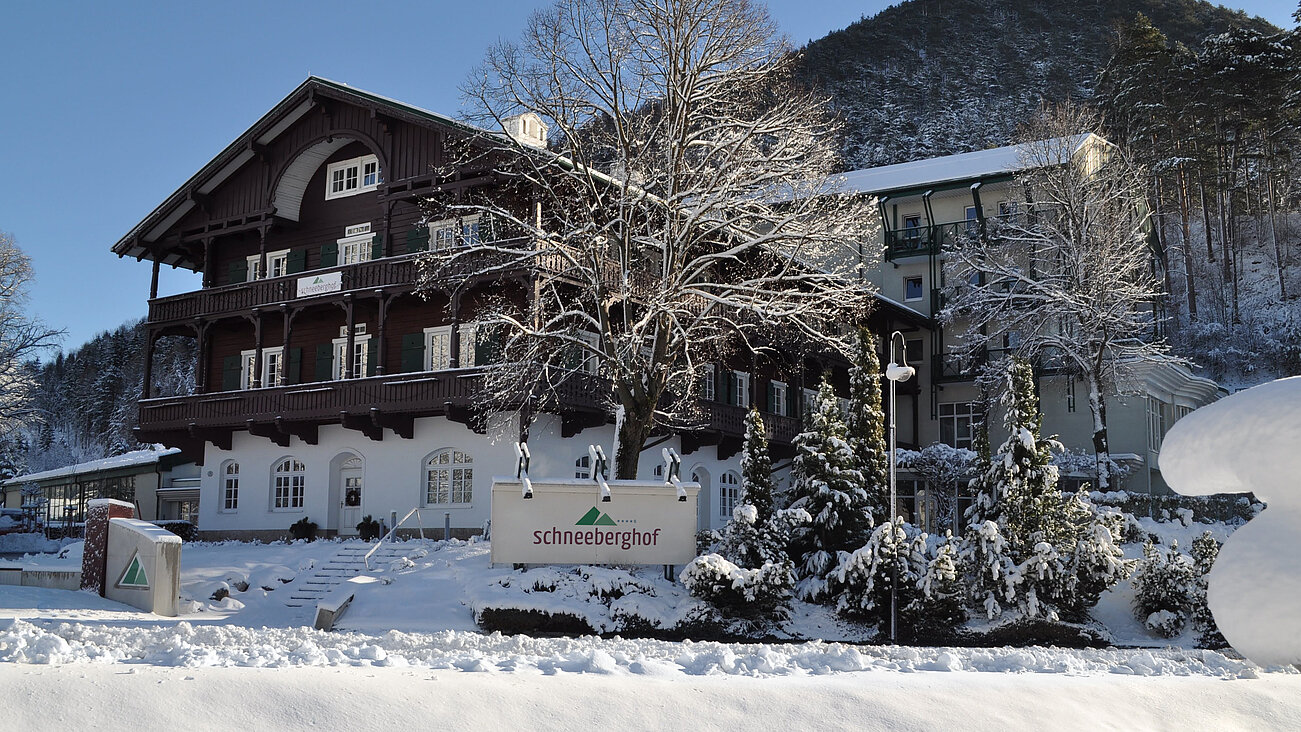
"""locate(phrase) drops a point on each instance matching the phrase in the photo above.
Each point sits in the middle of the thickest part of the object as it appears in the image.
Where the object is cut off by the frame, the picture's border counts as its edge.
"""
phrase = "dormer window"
(350, 177)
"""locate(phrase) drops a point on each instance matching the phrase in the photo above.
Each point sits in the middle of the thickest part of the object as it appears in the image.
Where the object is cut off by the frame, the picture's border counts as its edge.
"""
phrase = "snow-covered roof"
(125, 460)
(972, 166)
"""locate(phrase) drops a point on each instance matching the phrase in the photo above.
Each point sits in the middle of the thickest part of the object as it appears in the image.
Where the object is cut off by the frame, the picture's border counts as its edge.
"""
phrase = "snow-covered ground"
(407, 653)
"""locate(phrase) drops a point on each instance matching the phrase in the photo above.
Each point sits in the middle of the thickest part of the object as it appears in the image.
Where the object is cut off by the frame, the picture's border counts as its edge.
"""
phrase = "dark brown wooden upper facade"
(297, 275)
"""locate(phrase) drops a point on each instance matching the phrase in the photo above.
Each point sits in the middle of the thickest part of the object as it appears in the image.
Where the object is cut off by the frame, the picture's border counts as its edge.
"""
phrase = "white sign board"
(320, 284)
(565, 522)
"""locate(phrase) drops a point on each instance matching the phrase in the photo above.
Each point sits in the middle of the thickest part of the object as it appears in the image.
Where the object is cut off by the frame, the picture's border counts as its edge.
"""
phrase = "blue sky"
(110, 106)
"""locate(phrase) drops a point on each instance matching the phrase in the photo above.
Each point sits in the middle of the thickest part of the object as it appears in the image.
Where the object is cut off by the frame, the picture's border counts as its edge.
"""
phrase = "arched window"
(230, 486)
(729, 493)
(449, 477)
(289, 483)
(583, 468)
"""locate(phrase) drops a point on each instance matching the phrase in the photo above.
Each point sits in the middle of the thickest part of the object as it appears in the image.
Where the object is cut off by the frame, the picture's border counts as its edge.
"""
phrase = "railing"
(957, 367)
(393, 531)
(731, 420)
(919, 240)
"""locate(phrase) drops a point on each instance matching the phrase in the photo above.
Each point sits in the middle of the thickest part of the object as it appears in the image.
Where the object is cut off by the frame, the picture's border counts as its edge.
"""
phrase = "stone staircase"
(348, 562)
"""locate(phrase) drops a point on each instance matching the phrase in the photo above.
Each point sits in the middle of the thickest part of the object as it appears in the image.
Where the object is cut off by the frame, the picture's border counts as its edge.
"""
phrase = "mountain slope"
(935, 77)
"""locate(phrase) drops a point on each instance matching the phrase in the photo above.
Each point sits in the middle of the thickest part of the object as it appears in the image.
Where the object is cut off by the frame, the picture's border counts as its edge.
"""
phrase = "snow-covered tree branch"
(22, 338)
(685, 209)
(1067, 282)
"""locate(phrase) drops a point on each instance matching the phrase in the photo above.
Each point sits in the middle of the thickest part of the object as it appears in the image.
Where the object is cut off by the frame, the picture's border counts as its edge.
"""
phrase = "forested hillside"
(87, 398)
(935, 77)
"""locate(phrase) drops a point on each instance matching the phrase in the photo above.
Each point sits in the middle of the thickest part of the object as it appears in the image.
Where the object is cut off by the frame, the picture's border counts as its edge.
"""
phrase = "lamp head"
(895, 372)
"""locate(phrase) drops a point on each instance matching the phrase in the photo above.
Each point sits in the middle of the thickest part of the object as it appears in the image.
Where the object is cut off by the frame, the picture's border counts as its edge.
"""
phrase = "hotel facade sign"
(565, 522)
(320, 284)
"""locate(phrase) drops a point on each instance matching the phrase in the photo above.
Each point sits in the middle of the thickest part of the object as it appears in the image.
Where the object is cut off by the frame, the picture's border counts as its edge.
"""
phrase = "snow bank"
(1248, 442)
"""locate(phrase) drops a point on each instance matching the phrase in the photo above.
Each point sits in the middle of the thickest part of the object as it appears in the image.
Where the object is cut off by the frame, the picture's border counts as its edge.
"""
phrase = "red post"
(94, 559)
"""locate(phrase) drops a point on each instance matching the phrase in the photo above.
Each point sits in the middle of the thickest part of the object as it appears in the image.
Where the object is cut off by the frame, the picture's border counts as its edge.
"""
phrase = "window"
(1070, 393)
(583, 468)
(777, 397)
(1182, 411)
(914, 350)
(277, 265)
(289, 482)
(1156, 423)
(912, 289)
(740, 388)
(230, 487)
(956, 423)
(438, 348)
(350, 177)
(357, 245)
(273, 368)
(351, 472)
(449, 478)
(973, 220)
(449, 233)
(590, 363)
(360, 356)
(729, 493)
(707, 381)
(469, 331)
(1008, 209)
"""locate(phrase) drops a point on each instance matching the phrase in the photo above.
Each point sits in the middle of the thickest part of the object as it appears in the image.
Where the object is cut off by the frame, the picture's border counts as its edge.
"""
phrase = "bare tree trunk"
(1184, 194)
(1280, 262)
(1098, 408)
(1206, 219)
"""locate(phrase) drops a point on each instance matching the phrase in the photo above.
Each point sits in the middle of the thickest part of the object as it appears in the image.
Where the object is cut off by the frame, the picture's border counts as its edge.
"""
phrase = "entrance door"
(350, 483)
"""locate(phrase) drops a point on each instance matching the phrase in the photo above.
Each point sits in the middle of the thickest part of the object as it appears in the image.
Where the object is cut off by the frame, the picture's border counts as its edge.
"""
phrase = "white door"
(350, 497)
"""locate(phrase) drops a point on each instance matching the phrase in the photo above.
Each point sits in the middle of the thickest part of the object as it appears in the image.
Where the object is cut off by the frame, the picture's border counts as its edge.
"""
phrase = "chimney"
(527, 129)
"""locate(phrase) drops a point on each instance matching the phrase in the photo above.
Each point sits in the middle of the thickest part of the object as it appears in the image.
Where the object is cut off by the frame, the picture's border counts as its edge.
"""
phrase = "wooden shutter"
(296, 261)
(418, 239)
(238, 272)
(487, 345)
(325, 362)
(372, 355)
(231, 367)
(729, 391)
(413, 352)
(329, 254)
(769, 405)
(377, 247)
(294, 366)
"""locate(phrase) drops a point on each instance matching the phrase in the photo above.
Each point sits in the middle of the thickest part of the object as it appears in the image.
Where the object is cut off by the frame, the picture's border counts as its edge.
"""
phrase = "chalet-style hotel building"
(327, 388)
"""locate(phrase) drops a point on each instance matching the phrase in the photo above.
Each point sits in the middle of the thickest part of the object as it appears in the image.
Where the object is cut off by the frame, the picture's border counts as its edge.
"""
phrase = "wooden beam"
(403, 425)
(305, 431)
(269, 431)
(218, 436)
(363, 424)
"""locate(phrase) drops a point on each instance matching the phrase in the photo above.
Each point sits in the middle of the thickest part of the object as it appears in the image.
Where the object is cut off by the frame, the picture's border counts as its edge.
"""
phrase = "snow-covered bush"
(1204, 551)
(930, 596)
(749, 542)
(757, 594)
(1165, 588)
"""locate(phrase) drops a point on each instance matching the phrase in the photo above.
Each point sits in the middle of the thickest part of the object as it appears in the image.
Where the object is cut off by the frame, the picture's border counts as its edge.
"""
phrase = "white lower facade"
(257, 489)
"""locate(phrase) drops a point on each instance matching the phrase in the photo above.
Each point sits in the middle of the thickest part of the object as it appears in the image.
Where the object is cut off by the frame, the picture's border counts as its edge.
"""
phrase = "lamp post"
(895, 373)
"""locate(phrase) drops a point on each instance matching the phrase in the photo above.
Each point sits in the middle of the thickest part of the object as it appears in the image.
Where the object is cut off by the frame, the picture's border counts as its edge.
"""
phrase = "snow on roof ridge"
(944, 169)
(126, 459)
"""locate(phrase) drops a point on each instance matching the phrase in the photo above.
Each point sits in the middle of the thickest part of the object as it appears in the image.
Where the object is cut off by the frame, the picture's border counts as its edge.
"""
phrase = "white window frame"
(355, 249)
(729, 493)
(230, 487)
(778, 397)
(458, 482)
(350, 185)
(277, 265)
(288, 484)
(921, 285)
(438, 343)
(708, 384)
(958, 411)
(273, 367)
(741, 394)
(590, 364)
(456, 232)
(1157, 424)
(361, 355)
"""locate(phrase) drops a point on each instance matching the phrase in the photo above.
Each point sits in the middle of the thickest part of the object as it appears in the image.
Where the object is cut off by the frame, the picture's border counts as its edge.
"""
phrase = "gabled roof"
(136, 458)
(948, 171)
(271, 125)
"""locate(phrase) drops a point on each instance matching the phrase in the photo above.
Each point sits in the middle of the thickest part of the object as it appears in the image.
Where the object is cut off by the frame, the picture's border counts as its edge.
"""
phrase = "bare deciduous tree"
(22, 338)
(1070, 281)
(684, 210)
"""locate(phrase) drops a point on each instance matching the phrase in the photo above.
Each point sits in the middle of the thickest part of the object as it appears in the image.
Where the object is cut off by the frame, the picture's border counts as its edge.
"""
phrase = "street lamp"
(895, 373)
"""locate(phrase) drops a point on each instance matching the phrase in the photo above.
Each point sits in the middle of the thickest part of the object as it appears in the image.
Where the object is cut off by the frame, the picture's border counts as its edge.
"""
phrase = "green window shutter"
(372, 356)
(329, 254)
(293, 366)
(791, 409)
(772, 398)
(413, 352)
(729, 391)
(325, 362)
(377, 247)
(238, 272)
(296, 261)
(487, 227)
(418, 239)
(230, 373)
(487, 345)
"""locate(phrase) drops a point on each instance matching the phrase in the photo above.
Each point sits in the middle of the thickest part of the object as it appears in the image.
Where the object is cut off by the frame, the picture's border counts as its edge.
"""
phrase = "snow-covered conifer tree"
(756, 467)
(829, 485)
(865, 424)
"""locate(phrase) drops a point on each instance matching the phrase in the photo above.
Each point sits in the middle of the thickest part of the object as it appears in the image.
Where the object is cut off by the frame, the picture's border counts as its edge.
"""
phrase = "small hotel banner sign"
(320, 284)
(565, 522)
